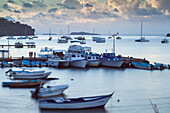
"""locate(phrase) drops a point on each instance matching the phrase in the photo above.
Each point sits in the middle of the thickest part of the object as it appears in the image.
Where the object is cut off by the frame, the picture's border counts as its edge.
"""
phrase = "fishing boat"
(49, 91)
(53, 62)
(142, 39)
(24, 84)
(93, 60)
(62, 57)
(75, 103)
(110, 60)
(31, 76)
(78, 60)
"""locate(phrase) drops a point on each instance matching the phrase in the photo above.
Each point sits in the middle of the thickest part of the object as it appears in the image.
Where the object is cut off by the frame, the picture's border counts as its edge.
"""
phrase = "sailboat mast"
(49, 32)
(141, 29)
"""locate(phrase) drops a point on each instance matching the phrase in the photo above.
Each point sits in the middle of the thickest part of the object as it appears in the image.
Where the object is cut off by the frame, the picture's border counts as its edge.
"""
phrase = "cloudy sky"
(100, 16)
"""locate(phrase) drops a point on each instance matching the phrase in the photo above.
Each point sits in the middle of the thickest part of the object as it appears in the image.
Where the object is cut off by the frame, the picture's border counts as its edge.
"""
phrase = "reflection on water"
(94, 110)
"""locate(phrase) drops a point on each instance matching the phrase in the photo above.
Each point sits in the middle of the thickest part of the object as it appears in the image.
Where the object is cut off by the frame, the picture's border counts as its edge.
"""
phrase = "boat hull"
(79, 63)
(47, 92)
(32, 77)
(53, 63)
(94, 63)
(112, 63)
(63, 63)
(26, 85)
(77, 105)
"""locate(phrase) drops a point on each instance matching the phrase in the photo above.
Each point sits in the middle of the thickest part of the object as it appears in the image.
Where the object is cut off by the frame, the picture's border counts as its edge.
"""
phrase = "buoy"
(118, 100)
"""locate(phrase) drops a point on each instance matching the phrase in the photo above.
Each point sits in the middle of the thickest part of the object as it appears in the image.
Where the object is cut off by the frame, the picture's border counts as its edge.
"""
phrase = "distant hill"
(11, 28)
(83, 33)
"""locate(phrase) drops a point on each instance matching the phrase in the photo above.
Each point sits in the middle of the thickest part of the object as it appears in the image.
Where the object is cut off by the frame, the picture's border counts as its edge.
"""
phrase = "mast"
(68, 29)
(141, 29)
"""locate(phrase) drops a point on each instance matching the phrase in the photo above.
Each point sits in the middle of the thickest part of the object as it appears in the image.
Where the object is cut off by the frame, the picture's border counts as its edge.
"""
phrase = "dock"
(21, 46)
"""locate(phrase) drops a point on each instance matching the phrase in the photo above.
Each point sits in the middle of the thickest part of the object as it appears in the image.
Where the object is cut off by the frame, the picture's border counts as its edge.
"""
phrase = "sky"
(99, 16)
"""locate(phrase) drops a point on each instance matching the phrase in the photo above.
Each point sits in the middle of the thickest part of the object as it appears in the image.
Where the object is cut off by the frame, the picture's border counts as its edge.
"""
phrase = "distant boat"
(11, 38)
(62, 40)
(100, 40)
(18, 45)
(49, 91)
(147, 66)
(75, 103)
(94, 38)
(168, 35)
(74, 41)
(142, 39)
(165, 41)
(118, 37)
(31, 42)
(79, 38)
(35, 37)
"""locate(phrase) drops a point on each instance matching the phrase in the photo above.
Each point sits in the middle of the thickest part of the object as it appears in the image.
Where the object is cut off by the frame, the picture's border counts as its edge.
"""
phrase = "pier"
(21, 46)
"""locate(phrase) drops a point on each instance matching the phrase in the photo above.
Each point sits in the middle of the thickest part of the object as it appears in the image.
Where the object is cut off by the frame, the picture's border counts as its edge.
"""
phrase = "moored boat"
(75, 103)
(24, 84)
(49, 91)
(32, 76)
(110, 60)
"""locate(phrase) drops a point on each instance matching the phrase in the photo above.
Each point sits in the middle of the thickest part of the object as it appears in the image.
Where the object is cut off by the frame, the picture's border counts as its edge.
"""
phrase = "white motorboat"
(49, 91)
(62, 57)
(24, 71)
(31, 76)
(53, 62)
(110, 60)
(93, 60)
(75, 103)
(78, 60)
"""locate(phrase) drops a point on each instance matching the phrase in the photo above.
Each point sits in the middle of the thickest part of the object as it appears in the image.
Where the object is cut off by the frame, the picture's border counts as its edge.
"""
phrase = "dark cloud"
(16, 11)
(5, 6)
(39, 4)
(11, 1)
(88, 5)
(66, 6)
(116, 10)
(147, 12)
(27, 5)
(52, 10)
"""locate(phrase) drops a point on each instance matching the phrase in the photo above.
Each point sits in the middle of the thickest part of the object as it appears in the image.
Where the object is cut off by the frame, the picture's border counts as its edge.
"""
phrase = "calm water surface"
(133, 87)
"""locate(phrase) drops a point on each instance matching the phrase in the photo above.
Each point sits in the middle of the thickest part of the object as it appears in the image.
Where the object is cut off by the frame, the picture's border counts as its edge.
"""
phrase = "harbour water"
(133, 87)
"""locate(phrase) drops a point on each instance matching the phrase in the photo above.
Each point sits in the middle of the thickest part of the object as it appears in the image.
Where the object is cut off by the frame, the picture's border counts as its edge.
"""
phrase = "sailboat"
(142, 39)
(50, 38)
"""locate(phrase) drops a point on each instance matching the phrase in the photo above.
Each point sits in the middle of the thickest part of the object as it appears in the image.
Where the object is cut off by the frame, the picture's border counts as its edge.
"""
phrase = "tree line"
(11, 28)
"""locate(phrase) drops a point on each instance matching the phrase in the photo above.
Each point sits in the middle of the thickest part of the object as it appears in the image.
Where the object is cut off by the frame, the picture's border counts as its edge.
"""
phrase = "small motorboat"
(49, 91)
(165, 41)
(75, 103)
(24, 84)
(30, 76)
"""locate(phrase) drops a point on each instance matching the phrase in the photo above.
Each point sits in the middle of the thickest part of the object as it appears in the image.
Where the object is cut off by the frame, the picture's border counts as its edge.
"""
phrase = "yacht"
(110, 60)
(142, 39)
